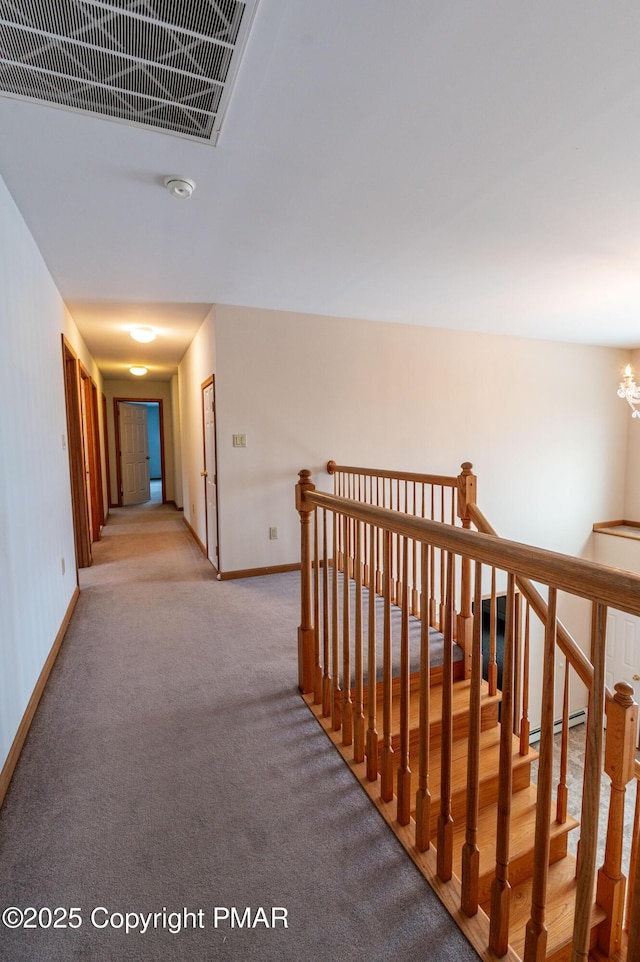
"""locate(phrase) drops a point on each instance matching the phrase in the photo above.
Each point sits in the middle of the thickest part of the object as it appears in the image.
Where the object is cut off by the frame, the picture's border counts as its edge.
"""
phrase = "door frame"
(116, 429)
(210, 382)
(75, 449)
(95, 493)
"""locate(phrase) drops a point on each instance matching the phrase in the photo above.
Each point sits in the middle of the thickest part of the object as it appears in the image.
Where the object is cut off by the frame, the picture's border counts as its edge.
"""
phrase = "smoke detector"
(179, 186)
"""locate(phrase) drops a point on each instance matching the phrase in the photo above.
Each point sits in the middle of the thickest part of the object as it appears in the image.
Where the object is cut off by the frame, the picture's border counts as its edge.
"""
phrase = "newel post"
(619, 764)
(306, 631)
(464, 620)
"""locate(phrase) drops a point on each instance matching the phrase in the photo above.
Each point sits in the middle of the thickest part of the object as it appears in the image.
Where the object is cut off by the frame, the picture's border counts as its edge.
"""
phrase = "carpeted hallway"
(172, 768)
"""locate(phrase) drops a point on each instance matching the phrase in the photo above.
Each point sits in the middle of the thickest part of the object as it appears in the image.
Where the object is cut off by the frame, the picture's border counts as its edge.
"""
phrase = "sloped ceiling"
(467, 165)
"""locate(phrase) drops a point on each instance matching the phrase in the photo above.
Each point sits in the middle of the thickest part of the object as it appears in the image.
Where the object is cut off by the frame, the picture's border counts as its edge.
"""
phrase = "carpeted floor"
(173, 769)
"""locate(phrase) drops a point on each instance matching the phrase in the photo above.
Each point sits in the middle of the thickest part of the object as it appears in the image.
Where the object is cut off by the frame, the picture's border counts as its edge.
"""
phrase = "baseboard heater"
(577, 718)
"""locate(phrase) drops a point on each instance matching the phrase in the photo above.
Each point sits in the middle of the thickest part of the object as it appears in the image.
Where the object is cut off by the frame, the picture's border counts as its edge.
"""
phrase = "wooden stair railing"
(463, 812)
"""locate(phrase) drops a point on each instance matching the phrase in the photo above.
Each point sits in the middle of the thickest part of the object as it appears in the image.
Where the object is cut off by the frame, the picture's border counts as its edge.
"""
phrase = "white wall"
(539, 420)
(197, 365)
(36, 530)
(150, 390)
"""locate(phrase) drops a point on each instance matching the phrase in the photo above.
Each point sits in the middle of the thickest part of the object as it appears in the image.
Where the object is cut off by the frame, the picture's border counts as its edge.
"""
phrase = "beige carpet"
(173, 769)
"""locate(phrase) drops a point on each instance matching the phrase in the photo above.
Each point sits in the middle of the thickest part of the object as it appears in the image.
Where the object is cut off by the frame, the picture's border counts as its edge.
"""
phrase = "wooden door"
(134, 452)
(623, 651)
(210, 472)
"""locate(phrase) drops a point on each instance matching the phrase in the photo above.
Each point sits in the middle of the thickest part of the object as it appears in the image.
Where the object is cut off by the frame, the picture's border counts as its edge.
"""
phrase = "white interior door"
(623, 651)
(210, 473)
(134, 453)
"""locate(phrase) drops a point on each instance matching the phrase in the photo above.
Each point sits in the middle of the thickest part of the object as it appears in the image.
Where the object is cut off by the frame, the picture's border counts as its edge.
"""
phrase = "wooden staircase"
(562, 871)
(436, 749)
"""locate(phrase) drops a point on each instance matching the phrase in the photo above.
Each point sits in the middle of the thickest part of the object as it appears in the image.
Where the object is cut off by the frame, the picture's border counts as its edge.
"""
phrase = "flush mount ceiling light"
(143, 334)
(179, 186)
(138, 371)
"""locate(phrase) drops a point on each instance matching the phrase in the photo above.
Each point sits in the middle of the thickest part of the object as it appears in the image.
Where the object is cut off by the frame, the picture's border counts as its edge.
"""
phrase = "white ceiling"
(452, 163)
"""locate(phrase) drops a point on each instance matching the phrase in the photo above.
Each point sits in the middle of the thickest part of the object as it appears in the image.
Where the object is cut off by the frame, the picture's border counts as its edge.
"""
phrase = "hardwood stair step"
(561, 893)
(523, 819)
(460, 714)
(489, 766)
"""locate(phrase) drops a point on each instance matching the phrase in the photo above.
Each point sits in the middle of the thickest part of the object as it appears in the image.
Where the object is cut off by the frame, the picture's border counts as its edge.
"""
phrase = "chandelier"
(629, 389)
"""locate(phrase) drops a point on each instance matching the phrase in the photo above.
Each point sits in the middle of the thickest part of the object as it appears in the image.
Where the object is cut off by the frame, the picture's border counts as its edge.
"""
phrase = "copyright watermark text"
(174, 922)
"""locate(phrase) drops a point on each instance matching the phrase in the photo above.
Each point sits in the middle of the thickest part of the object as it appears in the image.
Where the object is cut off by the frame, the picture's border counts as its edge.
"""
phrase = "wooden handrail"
(448, 481)
(566, 643)
(586, 579)
(403, 551)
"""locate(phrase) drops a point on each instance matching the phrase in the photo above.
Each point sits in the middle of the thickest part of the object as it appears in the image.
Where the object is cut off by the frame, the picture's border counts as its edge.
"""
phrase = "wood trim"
(75, 451)
(107, 465)
(603, 527)
(258, 572)
(23, 729)
(615, 524)
(195, 537)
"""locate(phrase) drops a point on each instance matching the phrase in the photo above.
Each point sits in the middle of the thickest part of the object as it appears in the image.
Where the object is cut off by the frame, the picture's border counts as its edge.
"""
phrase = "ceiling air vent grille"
(156, 63)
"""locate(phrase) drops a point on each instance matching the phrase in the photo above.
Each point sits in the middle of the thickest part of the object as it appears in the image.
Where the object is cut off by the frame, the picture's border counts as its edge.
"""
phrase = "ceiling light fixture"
(179, 186)
(138, 371)
(630, 391)
(143, 334)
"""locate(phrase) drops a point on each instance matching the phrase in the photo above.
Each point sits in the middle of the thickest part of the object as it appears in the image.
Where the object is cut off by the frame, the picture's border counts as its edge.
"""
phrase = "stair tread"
(523, 815)
(489, 759)
(461, 691)
(561, 892)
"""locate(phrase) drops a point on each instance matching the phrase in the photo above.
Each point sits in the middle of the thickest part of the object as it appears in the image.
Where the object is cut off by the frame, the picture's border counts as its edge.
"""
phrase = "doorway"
(85, 462)
(140, 461)
(622, 660)
(210, 471)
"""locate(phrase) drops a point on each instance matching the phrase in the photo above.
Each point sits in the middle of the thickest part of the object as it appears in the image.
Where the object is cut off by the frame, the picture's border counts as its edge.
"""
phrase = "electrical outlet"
(273, 534)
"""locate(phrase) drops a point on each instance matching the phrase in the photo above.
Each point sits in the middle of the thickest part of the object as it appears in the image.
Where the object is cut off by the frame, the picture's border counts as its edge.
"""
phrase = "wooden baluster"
(517, 664)
(470, 850)
(442, 610)
(335, 640)
(619, 764)
(433, 621)
(347, 703)
(340, 555)
(423, 795)
(633, 859)
(326, 681)
(415, 589)
(524, 724)
(591, 794)
(501, 887)
(444, 861)
(492, 671)
(563, 791)
(466, 495)
(306, 630)
(367, 534)
(633, 909)
(358, 717)
(317, 685)
(536, 932)
(386, 762)
(379, 544)
(404, 770)
(372, 731)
